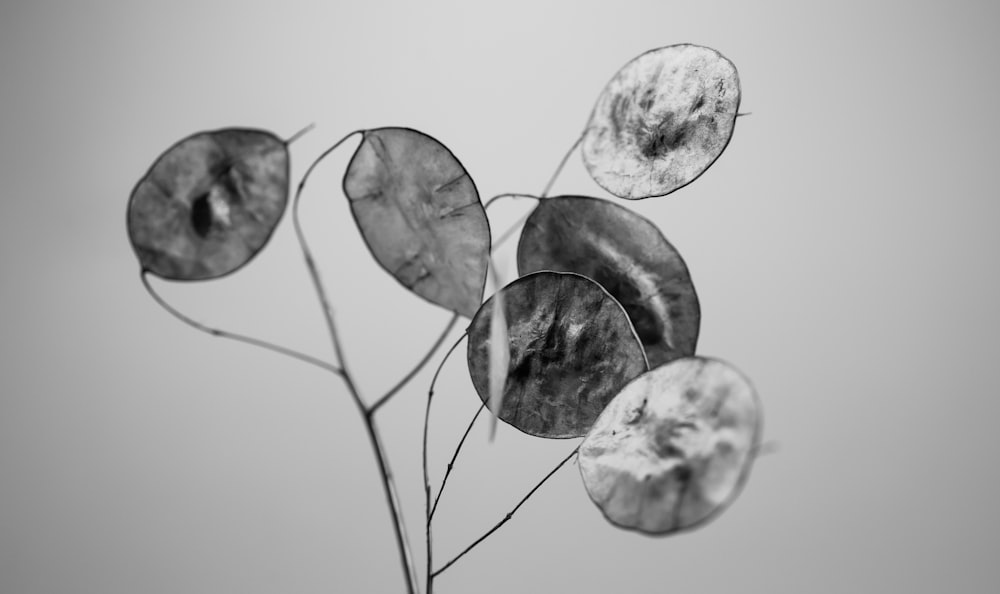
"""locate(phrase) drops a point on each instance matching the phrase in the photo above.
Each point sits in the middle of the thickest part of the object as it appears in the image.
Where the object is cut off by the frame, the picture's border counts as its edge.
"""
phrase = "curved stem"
(427, 479)
(548, 187)
(454, 457)
(510, 232)
(311, 263)
(232, 335)
(427, 490)
(513, 228)
(552, 180)
(395, 509)
(299, 134)
(490, 202)
(509, 515)
(388, 483)
(409, 376)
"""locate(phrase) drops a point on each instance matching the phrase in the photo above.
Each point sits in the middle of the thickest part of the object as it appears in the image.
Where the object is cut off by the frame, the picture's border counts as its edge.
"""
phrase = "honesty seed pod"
(628, 256)
(571, 348)
(661, 121)
(209, 203)
(420, 215)
(674, 447)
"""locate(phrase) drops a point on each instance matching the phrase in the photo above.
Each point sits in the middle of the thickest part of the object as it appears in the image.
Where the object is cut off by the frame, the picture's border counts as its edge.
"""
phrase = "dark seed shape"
(209, 204)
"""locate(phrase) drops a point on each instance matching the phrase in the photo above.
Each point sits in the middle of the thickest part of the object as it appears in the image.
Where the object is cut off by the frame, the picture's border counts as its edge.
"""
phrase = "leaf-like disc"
(571, 346)
(209, 203)
(420, 214)
(663, 119)
(627, 255)
(674, 447)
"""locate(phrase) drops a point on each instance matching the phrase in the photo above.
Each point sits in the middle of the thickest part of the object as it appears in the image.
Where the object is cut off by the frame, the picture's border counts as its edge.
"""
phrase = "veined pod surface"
(661, 121)
(420, 215)
(209, 203)
(674, 448)
(628, 256)
(571, 348)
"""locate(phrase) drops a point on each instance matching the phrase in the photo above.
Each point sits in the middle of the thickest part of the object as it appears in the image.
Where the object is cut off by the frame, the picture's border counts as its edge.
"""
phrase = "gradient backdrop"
(844, 248)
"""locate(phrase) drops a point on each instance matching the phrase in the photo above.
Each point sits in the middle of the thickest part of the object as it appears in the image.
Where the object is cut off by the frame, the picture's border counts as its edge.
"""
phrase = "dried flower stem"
(388, 483)
(509, 515)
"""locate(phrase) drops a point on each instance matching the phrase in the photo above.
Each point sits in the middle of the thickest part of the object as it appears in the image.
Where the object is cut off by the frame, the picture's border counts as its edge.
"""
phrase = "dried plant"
(596, 339)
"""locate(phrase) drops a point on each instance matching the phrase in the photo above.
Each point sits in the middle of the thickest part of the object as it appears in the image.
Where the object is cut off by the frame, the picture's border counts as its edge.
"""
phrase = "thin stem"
(232, 335)
(552, 180)
(427, 479)
(409, 376)
(395, 509)
(454, 457)
(388, 483)
(299, 134)
(506, 234)
(314, 272)
(510, 232)
(509, 515)
(507, 195)
(427, 489)
(548, 187)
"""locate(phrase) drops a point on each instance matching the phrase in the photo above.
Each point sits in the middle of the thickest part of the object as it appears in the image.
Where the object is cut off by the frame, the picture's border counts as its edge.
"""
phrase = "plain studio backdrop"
(844, 249)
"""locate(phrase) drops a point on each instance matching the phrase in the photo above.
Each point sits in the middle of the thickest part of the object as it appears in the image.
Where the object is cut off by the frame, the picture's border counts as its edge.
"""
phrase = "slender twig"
(311, 264)
(552, 180)
(299, 134)
(409, 376)
(510, 232)
(490, 202)
(444, 334)
(509, 514)
(548, 187)
(232, 335)
(427, 478)
(388, 483)
(506, 234)
(454, 457)
(427, 489)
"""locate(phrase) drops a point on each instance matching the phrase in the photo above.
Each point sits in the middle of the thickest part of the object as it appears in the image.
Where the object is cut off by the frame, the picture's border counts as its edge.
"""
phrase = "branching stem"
(490, 202)
(548, 187)
(409, 376)
(555, 175)
(388, 483)
(232, 335)
(427, 479)
(509, 515)
(451, 464)
(299, 134)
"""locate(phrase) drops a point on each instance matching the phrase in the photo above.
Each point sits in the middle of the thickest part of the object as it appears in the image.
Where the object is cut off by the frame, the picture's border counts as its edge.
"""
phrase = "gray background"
(843, 247)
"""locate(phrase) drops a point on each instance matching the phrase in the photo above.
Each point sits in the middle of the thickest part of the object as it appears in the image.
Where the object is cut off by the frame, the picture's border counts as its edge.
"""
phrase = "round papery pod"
(571, 348)
(661, 121)
(628, 256)
(674, 448)
(420, 216)
(209, 203)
